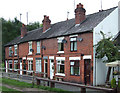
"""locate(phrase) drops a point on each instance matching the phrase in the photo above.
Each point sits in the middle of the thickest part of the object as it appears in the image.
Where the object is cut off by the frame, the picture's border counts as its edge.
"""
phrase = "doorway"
(45, 67)
(51, 68)
(6, 66)
(20, 66)
(87, 71)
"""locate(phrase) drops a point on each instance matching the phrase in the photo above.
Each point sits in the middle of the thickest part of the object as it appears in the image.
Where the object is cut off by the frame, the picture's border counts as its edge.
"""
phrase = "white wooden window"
(10, 64)
(10, 51)
(30, 47)
(38, 65)
(60, 66)
(73, 44)
(60, 45)
(15, 50)
(15, 64)
(75, 67)
(30, 65)
(38, 46)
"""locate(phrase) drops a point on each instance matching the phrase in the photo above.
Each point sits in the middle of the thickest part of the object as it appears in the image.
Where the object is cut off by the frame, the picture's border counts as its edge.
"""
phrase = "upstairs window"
(38, 47)
(15, 50)
(10, 51)
(30, 47)
(60, 45)
(73, 44)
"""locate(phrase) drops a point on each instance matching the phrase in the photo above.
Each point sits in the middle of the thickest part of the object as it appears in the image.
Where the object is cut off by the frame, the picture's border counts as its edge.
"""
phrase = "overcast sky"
(55, 9)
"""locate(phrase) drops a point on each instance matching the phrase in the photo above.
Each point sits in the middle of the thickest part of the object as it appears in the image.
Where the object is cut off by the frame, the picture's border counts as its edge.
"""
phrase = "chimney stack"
(79, 14)
(23, 30)
(46, 23)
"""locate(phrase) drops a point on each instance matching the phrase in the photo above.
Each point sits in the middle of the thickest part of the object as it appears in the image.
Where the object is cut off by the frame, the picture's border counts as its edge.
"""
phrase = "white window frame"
(60, 39)
(73, 41)
(15, 62)
(60, 59)
(30, 62)
(10, 51)
(38, 46)
(15, 49)
(38, 65)
(30, 47)
(10, 62)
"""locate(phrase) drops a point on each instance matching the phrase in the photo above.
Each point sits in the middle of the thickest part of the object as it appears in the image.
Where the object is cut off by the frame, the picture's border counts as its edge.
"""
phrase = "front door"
(20, 67)
(51, 68)
(6, 66)
(45, 68)
(87, 71)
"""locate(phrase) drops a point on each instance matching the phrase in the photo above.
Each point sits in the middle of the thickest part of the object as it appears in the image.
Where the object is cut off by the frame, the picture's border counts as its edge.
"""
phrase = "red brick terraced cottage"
(63, 50)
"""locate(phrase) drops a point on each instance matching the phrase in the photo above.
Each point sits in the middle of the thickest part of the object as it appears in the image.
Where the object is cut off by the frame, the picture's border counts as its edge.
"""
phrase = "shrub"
(113, 83)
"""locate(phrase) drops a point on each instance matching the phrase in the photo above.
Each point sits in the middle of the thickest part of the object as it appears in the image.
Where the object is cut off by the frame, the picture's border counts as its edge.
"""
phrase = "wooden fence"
(38, 80)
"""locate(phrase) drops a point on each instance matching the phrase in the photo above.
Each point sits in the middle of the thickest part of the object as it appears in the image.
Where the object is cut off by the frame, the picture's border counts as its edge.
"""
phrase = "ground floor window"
(10, 64)
(75, 67)
(15, 64)
(60, 66)
(30, 65)
(38, 65)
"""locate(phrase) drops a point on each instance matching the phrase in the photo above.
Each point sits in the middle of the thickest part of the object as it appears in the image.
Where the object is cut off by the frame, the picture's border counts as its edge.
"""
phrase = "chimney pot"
(79, 14)
(23, 30)
(46, 23)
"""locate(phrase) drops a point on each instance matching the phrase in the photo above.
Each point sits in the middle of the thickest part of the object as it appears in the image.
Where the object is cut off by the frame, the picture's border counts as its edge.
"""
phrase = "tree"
(106, 47)
(11, 29)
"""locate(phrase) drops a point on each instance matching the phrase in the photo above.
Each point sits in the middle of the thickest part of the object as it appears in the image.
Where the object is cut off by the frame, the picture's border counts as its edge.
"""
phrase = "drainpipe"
(118, 16)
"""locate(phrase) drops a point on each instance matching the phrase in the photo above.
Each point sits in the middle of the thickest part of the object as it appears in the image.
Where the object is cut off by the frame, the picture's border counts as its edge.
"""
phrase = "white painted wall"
(110, 27)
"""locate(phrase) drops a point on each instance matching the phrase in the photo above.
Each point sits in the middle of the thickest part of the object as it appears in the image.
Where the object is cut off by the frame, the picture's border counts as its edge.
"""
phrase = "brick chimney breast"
(46, 23)
(23, 30)
(79, 14)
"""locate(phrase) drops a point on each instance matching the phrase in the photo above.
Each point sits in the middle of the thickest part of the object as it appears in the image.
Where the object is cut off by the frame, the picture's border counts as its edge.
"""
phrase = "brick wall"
(84, 47)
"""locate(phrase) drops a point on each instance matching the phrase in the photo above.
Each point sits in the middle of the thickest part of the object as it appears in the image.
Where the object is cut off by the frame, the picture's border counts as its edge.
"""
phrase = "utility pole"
(67, 14)
(27, 17)
(20, 17)
(101, 5)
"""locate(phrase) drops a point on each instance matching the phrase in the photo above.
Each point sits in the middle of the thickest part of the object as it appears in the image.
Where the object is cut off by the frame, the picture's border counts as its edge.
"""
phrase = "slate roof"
(67, 27)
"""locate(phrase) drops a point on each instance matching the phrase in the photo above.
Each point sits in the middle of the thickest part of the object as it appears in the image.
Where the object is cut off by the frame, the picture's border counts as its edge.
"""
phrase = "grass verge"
(8, 90)
(29, 85)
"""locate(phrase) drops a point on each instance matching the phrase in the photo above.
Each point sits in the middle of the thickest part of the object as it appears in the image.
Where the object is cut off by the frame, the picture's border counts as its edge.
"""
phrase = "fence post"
(83, 90)
(33, 80)
(52, 85)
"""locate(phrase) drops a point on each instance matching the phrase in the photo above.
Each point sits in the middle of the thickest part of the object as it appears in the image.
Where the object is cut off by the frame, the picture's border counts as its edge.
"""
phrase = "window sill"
(60, 52)
(15, 55)
(73, 51)
(29, 53)
(60, 74)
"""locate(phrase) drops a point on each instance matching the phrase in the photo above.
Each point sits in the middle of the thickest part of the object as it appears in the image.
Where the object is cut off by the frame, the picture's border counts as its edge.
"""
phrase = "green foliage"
(12, 29)
(113, 83)
(33, 26)
(105, 47)
(8, 90)
(29, 85)
(119, 84)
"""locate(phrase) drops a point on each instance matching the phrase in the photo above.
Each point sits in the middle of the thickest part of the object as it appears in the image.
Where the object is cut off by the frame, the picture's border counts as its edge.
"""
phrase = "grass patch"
(8, 90)
(29, 85)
